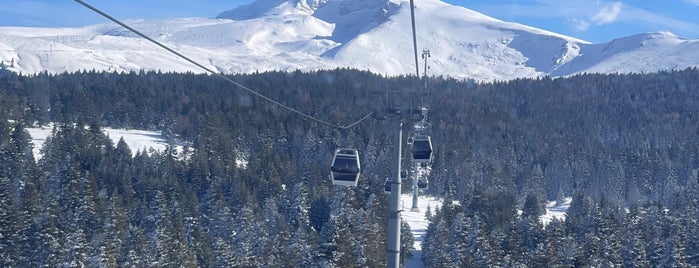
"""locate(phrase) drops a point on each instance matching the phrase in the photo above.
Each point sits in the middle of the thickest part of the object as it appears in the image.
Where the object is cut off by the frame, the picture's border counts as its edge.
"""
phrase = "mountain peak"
(263, 8)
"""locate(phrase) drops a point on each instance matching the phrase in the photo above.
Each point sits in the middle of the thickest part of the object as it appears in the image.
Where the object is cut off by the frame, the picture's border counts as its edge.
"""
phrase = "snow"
(369, 35)
(137, 140)
(556, 210)
(39, 135)
(418, 223)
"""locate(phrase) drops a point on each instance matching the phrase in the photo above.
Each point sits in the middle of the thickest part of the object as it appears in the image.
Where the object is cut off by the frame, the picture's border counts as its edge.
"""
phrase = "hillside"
(621, 146)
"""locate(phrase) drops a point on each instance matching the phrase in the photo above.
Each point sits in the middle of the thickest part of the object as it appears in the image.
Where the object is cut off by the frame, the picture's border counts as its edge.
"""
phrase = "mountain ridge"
(306, 35)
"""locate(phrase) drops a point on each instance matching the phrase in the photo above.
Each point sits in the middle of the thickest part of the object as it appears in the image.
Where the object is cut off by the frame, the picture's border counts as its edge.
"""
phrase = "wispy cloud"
(600, 15)
(579, 25)
(692, 2)
(608, 14)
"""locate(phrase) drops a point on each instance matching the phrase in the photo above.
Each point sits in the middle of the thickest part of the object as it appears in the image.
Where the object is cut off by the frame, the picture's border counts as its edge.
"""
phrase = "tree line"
(622, 145)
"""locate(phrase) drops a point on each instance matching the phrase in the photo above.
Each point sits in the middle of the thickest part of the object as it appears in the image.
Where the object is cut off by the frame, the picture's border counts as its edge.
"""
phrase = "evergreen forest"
(623, 146)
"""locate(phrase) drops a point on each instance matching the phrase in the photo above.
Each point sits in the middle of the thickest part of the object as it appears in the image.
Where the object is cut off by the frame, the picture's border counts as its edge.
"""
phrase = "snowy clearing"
(137, 140)
(556, 210)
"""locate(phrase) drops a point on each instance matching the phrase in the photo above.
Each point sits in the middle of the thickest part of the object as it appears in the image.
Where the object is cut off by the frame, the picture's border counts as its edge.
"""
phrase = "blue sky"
(591, 20)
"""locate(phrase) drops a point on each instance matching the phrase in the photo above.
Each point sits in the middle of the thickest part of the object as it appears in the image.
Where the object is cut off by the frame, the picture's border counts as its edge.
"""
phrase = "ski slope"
(418, 223)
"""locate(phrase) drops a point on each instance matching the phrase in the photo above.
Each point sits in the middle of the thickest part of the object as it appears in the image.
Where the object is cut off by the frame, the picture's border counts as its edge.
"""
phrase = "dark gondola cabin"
(416, 115)
(404, 174)
(387, 185)
(345, 168)
(422, 149)
(422, 183)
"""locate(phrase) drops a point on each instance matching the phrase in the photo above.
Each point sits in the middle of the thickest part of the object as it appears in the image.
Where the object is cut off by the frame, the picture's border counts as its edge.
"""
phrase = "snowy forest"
(623, 146)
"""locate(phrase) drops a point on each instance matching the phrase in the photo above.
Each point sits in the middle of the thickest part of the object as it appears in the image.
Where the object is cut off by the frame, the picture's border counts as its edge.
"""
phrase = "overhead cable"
(412, 19)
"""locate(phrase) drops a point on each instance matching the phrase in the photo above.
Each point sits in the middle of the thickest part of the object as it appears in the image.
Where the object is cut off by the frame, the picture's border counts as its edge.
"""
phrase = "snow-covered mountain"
(370, 35)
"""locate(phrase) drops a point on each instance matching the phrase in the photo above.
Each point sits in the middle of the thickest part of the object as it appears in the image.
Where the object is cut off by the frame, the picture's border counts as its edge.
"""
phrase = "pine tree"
(277, 229)
(537, 184)
(462, 244)
(326, 254)
(654, 245)
(137, 251)
(609, 223)
(407, 243)
(633, 251)
(14, 223)
(223, 255)
(295, 206)
(692, 247)
(164, 238)
(559, 251)
(110, 242)
(249, 237)
(299, 248)
(435, 246)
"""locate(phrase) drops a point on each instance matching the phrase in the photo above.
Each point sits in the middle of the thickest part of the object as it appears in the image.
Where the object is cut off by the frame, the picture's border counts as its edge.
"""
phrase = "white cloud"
(587, 15)
(692, 2)
(608, 14)
(579, 25)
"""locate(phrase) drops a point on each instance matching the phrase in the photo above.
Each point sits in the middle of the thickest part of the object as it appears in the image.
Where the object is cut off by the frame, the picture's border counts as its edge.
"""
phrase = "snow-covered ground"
(138, 140)
(418, 223)
(556, 210)
(39, 135)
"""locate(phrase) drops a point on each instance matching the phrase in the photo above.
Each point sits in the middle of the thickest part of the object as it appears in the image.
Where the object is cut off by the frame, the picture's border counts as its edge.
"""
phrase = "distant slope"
(642, 53)
(324, 34)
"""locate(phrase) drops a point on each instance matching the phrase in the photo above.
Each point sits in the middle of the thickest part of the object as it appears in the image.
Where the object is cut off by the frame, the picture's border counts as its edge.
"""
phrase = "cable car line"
(307, 116)
(345, 168)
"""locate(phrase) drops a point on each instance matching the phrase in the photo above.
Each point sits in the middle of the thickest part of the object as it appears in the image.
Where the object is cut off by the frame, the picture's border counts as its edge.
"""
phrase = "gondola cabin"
(416, 115)
(422, 149)
(422, 183)
(404, 174)
(387, 186)
(345, 168)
